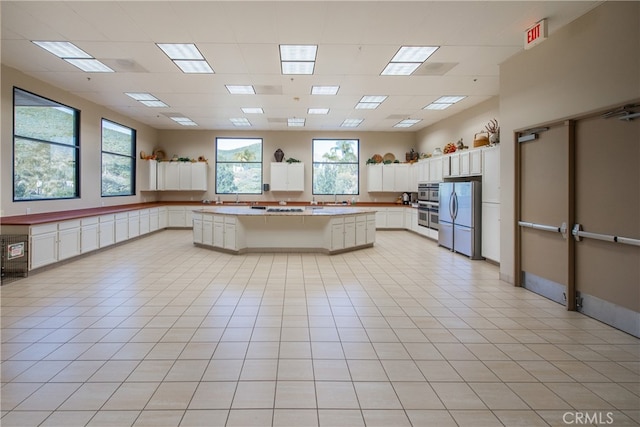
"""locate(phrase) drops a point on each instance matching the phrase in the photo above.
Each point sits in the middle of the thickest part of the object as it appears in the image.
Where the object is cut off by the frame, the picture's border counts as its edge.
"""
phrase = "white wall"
(296, 144)
(588, 65)
(463, 125)
(90, 147)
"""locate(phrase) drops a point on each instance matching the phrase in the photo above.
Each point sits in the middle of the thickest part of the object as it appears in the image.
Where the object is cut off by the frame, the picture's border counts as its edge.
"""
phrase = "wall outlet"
(28, 211)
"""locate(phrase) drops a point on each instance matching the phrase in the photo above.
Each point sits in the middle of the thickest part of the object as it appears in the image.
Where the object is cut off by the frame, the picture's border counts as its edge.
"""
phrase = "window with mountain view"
(238, 165)
(335, 166)
(118, 159)
(46, 148)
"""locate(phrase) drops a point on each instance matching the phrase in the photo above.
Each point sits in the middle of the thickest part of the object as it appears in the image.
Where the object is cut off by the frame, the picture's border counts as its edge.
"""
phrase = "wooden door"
(544, 205)
(608, 203)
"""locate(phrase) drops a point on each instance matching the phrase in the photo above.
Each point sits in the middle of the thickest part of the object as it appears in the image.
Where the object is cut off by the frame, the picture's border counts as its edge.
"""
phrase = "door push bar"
(562, 229)
(578, 234)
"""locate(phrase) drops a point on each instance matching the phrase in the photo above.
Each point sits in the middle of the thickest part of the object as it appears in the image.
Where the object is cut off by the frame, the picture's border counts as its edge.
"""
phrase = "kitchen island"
(323, 229)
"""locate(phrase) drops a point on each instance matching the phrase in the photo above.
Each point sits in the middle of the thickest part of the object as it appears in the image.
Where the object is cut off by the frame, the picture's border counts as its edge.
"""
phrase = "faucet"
(335, 198)
(237, 197)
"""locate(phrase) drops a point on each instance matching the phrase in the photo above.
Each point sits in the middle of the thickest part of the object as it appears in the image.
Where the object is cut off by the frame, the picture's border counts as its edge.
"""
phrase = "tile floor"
(157, 332)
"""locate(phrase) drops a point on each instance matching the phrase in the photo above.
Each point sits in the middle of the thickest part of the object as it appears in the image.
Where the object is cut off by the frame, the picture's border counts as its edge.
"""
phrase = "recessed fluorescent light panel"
(406, 123)
(253, 110)
(187, 57)
(74, 56)
(240, 90)
(240, 121)
(351, 123)
(407, 60)
(370, 102)
(298, 59)
(324, 90)
(295, 122)
(318, 111)
(444, 102)
(146, 99)
(184, 121)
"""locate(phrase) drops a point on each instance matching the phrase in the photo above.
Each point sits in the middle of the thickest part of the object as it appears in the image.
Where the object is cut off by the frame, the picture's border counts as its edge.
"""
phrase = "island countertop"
(286, 210)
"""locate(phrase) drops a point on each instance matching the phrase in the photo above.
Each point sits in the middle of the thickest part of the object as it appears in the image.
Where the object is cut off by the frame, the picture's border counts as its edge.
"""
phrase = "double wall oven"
(428, 205)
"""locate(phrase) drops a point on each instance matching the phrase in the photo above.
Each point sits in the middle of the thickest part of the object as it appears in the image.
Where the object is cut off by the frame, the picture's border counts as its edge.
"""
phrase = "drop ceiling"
(241, 39)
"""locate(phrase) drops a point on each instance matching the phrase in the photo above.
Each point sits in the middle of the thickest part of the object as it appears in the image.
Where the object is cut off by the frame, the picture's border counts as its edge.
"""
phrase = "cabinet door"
(279, 176)
(388, 178)
(395, 218)
(122, 227)
(89, 238)
(465, 166)
(44, 249)
(374, 177)
(381, 218)
(171, 175)
(184, 170)
(230, 235)
(361, 231)
(176, 216)
(148, 175)
(371, 229)
(435, 169)
(154, 219)
(106, 228)
(491, 231)
(337, 236)
(401, 177)
(454, 165)
(207, 231)
(295, 177)
(475, 162)
(349, 232)
(145, 225)
(218, 234)
(68, 243)
(134, 225)
(197, 230)
(163, 218)
(199, 176)
(491, 175)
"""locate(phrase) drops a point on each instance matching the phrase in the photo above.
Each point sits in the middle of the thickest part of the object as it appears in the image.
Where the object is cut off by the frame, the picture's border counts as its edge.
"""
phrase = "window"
(45, 148)
(118, 160)
(335, 166)
(239, 165)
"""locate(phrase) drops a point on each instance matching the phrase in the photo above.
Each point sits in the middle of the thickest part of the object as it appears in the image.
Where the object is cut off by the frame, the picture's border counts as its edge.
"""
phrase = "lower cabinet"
(106, 230)
(68, 239)
(89, 234)
(361, 230)
(197, 228)
(54, 242)
(230, 238)
(491, 231)
(122, 226)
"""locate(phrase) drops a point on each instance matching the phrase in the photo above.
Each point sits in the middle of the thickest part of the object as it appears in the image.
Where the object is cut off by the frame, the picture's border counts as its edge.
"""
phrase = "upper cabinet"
(394, 177)
(464, 163)
(287, 176)
(180, 176)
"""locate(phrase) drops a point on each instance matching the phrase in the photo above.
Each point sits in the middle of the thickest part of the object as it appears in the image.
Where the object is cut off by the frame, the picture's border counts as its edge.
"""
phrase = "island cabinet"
(287, 176)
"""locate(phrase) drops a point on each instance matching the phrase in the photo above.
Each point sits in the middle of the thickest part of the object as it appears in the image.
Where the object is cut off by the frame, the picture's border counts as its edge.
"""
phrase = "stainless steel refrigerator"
(459, 217)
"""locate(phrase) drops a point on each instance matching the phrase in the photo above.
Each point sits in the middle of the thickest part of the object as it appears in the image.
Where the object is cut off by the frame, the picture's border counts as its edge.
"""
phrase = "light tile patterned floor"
(157, 332)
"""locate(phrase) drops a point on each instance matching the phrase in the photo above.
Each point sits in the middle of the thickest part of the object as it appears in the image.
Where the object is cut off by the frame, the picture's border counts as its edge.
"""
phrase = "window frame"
(260, 162)
(356, 163)
(132, 157)
(75, 147)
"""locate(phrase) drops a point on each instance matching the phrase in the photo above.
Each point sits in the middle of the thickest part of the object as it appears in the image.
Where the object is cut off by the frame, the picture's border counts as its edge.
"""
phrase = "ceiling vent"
(124, 65)
(267, 90)
(434, 68)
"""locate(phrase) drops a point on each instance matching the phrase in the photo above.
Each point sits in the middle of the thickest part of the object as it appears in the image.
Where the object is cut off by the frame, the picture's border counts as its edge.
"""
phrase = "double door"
(578, 208)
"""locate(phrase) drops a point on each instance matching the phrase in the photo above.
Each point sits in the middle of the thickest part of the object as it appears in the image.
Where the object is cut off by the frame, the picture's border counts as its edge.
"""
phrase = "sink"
(234, 204)
(336, 204)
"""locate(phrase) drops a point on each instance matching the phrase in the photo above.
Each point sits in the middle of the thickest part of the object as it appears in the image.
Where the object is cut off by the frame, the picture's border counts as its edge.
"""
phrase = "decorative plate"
(377, 158)
(160, 155)
(388, 157)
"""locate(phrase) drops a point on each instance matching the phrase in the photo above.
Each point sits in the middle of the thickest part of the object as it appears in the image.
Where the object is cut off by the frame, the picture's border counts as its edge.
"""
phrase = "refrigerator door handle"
(455, 205)
(452, 206)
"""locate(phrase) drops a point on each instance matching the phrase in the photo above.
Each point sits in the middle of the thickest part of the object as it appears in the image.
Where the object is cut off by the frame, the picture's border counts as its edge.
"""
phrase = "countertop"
(43, 218)
(286, 210)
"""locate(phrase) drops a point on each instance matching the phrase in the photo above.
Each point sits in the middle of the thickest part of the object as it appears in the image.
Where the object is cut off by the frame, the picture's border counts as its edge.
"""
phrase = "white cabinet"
(491, 174)
(106, 229)
(145, 224)
(465, 163)
(436, 168)
(491, 231)
(337, 234)
(121, 226)
(197, 228)
(230, 233)
(287, 176)
(177, 217)
(148, 175)
(182, 176)
(44, 245)
(154, 219)
(207, 230)
(392, 177)
(54, 242)
(390, 217)
(361, 230)
(134, 224)
(374, 177)
(349, 231)
(371, 228)
(89, 234)
(218, 231)
(423, 167)
(163, 217)
(68, 239)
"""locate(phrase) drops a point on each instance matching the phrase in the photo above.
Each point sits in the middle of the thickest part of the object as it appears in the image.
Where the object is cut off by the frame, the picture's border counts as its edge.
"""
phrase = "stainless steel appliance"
(428, 192)
(428, 205)
(459, 217)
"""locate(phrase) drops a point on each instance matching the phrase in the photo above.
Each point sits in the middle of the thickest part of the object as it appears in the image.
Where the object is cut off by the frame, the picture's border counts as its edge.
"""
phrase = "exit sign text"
(536, 34)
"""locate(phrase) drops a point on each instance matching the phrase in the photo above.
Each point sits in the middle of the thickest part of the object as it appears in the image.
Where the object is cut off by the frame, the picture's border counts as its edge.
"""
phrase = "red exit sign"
(536, 34)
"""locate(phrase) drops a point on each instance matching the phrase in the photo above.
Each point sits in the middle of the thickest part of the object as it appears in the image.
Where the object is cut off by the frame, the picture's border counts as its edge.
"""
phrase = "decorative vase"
(279, 155)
